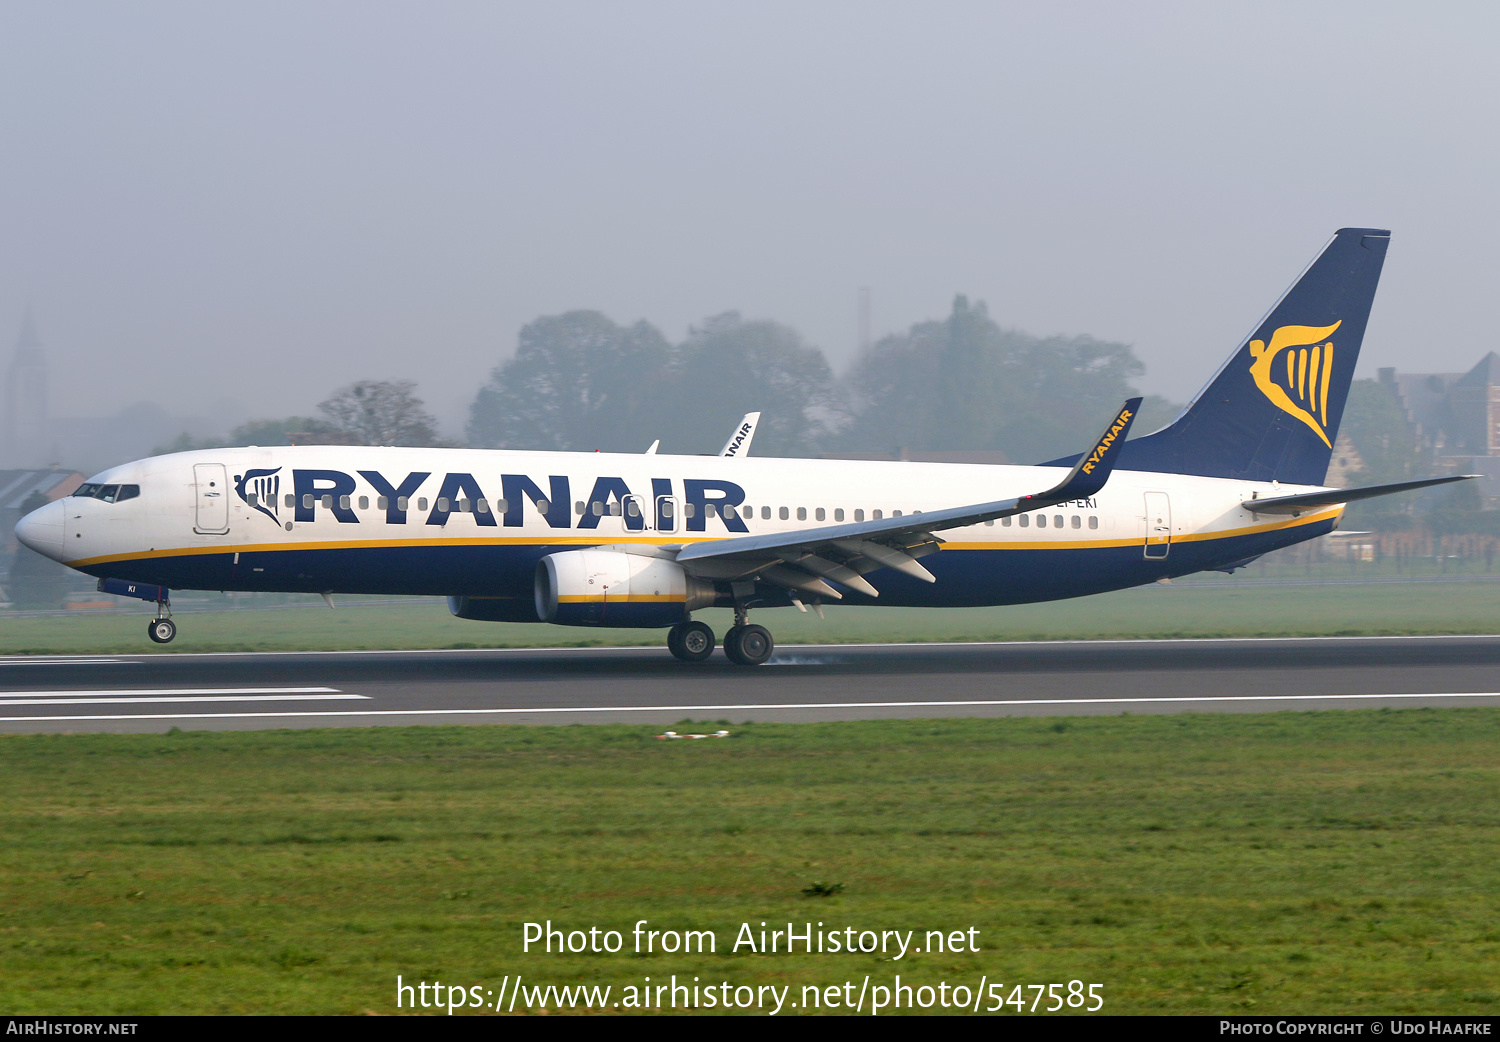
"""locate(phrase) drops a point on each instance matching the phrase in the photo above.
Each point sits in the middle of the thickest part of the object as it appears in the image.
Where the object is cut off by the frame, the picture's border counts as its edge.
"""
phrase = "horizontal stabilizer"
(1313, 500)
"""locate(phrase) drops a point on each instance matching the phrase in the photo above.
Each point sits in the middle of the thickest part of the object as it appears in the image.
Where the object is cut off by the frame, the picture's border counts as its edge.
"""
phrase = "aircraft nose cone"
(42, 530)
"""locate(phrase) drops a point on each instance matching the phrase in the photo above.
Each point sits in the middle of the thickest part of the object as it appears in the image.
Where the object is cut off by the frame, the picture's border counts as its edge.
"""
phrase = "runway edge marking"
(721, 708)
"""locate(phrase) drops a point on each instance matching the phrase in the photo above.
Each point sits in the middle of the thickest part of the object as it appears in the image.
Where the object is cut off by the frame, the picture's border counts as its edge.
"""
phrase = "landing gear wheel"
(162, 630)
(732, 645)
(748, 645)
(690, 642)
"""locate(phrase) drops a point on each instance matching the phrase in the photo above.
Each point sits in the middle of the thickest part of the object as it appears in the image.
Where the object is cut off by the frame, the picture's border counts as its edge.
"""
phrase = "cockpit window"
(108, 493)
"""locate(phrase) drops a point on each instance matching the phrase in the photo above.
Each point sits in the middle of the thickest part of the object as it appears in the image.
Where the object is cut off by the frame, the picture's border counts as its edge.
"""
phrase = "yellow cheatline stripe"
(369, 544)
(1189, 537)
(675, 540)
(608, 598)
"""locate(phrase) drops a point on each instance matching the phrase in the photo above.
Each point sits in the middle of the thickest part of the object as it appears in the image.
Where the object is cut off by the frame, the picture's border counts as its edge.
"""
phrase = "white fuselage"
(471, 522)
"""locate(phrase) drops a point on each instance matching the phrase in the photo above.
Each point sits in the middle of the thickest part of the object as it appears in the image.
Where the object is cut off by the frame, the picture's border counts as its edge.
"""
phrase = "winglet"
(739, 442)
(1094, 467)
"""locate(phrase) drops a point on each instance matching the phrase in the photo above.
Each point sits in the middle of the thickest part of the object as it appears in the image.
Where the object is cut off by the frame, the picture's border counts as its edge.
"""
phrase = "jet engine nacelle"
(609, 588)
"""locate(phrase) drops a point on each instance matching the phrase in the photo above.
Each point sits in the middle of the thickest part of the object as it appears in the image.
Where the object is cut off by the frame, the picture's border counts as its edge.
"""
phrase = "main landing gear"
(744, 644)
(690, 642)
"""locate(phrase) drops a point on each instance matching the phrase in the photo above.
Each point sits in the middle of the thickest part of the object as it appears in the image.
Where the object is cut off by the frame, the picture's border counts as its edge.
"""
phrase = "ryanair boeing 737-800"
(604, 539)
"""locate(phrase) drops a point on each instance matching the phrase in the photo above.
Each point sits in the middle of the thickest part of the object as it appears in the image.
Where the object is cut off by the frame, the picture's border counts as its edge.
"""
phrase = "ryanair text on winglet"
(1102, 448)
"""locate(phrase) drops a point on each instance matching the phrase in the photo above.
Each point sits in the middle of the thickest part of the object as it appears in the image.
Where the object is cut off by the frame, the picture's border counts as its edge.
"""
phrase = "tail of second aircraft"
(1273, 410)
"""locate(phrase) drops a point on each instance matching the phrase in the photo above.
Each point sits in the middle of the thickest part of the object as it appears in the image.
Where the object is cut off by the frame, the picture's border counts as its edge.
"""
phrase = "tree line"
(580, 381)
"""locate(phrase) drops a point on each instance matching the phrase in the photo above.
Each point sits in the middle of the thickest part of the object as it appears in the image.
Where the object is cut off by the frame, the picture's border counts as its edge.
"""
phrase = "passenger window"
(481, 506)
(578, 508)
(765, 513)
(252, 499)
(597, 508)
(1057, 521)
(442, 504)
(749, 513)
(307, 501)
(1025, 520)
(838, 513)
(895, 513)
(690, 509)
(1005, 522)
(343, 502)
(1077, 521)
(666, 508)
(364, 502)
(876, 515)
(802, 513)
(783, 513)
(421, 502)
(290, 501)
(1093, 521)
(859, 515)
(402, 502)
(821, 514)
(1041, 520)
(710, 510)
(542, 506)
(633, 510)
(990, 523)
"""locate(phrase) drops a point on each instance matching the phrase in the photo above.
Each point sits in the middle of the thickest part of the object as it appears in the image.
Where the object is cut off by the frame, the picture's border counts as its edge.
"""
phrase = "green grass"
(1184, 609)
(1337, 862)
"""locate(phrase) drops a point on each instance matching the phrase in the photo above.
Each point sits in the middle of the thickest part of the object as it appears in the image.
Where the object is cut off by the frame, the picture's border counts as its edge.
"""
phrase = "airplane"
(647, 539)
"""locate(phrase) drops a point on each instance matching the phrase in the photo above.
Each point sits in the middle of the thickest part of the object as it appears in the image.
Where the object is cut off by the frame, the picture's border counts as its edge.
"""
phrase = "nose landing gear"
(162, 629)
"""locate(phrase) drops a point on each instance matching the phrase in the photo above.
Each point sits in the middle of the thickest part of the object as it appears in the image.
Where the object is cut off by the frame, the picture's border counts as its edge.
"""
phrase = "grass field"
(1288, 862)
(1185, 609)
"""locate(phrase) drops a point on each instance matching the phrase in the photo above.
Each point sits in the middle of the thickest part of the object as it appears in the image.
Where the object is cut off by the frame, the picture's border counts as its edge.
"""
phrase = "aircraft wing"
(1312, 500)
(804, 560)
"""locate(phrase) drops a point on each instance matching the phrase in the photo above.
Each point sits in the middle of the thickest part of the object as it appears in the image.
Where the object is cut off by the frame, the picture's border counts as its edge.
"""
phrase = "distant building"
(1455, 419)
(1345, 463)
(24, 419)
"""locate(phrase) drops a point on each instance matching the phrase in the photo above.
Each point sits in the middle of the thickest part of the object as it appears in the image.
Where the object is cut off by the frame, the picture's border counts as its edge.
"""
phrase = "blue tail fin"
(1273, 410)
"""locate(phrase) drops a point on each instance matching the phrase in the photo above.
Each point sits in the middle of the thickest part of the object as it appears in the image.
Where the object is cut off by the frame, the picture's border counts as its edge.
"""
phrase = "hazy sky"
(263, 201)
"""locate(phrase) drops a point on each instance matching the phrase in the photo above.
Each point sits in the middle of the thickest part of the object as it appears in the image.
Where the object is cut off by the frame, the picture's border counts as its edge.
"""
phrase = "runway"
(826, 682)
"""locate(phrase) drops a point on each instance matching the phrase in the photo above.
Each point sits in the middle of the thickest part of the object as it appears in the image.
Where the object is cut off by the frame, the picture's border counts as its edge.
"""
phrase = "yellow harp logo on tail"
(1307, 372)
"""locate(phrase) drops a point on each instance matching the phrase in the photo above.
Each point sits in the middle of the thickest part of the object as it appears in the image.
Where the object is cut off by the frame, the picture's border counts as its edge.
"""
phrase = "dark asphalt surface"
(596, 685)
